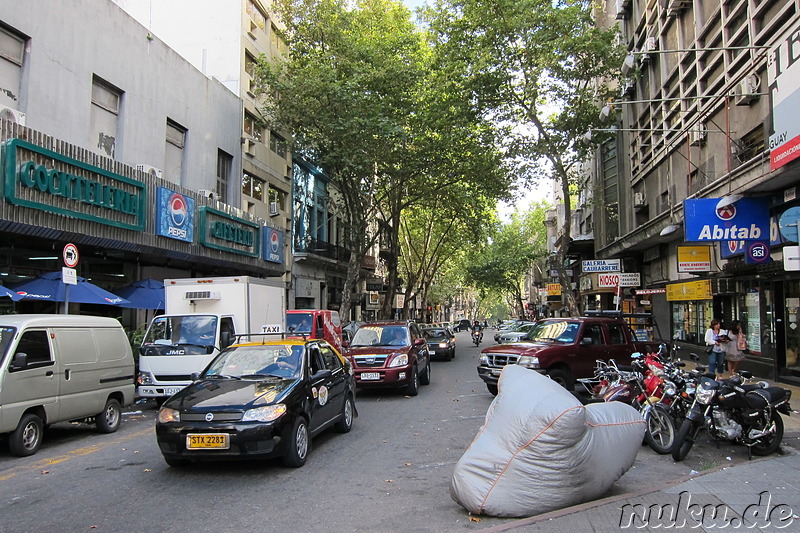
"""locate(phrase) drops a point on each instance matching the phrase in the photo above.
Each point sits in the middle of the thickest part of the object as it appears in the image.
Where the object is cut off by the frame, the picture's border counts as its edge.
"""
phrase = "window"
(615, 333)
(276, 195)
(250, 64)
(252, 127)
(594, 332)
(104, 117)
(36, 345)
(253, 186)
(332, 362)
(224, 163)
(12, 50)
(173, 155)
(256, 14)
(277, 144)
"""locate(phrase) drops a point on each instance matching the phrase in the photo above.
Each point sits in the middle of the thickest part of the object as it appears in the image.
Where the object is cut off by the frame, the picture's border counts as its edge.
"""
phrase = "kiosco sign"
(745, 220)
(619, 279)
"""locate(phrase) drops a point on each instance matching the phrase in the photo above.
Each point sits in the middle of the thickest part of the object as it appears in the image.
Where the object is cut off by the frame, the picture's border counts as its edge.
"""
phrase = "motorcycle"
(477, 336)
(736, 411)
(611, 383)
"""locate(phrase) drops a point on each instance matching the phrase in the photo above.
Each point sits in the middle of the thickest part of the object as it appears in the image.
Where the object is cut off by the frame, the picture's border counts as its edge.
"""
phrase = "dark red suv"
(390, 354)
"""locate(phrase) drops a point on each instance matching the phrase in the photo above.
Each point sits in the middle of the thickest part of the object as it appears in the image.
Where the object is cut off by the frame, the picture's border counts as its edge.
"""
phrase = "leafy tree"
(533, 66)
(501, 267)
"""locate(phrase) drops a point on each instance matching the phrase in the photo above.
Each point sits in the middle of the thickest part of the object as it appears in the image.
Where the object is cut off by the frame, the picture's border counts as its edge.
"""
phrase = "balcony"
(315, 247)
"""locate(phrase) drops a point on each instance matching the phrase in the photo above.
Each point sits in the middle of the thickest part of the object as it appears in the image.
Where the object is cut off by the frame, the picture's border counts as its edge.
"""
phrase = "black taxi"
(259, 399)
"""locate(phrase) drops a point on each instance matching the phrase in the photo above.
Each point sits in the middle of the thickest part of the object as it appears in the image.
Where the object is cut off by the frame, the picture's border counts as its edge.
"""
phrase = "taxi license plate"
(217, 441)
(370, 376)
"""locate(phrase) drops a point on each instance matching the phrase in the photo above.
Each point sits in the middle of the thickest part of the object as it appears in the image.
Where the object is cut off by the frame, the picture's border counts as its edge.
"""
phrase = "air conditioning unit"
(201, 295)
(12, 115)
(211, 195)
(621, 9)
(251, 32)
(698, 134)
(251, 88)
(748, 89)
(674, 7)
(639, 200)
(249, 147)
(274, 209)
(650, 45)
(150, 170)
(628, 88)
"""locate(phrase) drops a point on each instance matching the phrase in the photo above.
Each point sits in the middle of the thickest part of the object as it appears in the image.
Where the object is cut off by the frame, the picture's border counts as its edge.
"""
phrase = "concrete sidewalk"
(762, 494)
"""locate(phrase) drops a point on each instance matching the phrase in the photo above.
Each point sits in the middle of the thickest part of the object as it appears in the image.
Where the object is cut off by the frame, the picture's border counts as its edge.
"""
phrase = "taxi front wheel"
(298, 444)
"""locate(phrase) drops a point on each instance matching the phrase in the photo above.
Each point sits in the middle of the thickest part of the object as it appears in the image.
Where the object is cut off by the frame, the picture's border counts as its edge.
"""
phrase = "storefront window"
(792, 325)
(691, 319)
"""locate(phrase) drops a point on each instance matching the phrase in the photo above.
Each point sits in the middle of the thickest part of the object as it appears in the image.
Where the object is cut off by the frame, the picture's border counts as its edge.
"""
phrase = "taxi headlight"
(529, 361)
(399, 360)
(166, 415)
(268, 413)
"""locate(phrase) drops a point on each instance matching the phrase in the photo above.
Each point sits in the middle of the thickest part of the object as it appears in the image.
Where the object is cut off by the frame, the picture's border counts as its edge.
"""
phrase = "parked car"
(515, 334)
(259, 399)
(441, 342)
(564, 349)
(390, 354)
(61, 368)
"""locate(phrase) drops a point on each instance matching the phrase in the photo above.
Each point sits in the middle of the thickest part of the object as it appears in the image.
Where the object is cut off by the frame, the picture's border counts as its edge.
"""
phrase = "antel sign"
(619, 279)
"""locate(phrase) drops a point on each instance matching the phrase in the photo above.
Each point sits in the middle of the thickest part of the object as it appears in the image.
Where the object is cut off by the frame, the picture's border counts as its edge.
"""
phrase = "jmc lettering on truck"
(619, 279)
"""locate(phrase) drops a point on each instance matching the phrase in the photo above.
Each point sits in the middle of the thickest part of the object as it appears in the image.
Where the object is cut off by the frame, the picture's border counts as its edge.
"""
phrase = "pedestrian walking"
(716, 337)
(736, 347)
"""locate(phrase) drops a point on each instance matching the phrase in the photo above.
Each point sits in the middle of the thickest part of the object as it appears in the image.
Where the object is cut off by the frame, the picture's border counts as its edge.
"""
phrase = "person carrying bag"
(735, 349)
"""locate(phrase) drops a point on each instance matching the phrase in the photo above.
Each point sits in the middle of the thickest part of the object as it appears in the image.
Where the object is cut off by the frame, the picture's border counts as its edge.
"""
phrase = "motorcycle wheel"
(769, 444)
(660, 433)
(684, 440)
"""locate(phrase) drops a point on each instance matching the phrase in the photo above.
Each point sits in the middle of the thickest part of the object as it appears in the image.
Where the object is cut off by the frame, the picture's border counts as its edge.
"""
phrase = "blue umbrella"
(49, 287)
(143, 294)
(5, 291)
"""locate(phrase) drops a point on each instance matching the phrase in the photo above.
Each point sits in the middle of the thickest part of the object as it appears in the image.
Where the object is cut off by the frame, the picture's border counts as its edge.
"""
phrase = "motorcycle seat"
(756, 398)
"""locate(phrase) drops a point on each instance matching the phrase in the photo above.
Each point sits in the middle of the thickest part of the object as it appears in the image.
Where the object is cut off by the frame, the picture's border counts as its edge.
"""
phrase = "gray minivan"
(56, 368)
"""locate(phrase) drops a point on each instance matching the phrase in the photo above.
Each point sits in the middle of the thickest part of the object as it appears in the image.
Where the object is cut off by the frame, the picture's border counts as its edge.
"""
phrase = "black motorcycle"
(735, 411)
(477, 336)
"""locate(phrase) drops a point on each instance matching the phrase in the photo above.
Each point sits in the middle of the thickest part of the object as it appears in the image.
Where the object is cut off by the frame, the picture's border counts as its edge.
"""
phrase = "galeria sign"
(618, 279)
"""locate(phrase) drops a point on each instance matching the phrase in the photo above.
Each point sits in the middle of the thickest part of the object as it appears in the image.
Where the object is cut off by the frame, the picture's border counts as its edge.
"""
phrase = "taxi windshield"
(257, 362)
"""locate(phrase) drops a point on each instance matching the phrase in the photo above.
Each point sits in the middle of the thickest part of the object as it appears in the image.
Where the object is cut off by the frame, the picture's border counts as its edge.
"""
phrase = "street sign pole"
(68, 273)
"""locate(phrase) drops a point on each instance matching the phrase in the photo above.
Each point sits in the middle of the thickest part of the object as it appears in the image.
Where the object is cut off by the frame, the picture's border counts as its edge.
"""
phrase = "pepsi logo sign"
(178, 211)
(274, 242)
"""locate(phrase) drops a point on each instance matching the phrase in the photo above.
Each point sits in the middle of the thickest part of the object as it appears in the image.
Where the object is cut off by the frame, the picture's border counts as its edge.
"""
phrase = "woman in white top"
(716, 338)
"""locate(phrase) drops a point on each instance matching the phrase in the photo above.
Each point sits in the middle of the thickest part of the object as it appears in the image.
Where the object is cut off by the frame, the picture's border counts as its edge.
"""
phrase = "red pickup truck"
(564, 349)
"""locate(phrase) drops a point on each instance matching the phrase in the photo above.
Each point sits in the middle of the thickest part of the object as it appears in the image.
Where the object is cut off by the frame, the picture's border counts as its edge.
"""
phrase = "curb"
(581, 507)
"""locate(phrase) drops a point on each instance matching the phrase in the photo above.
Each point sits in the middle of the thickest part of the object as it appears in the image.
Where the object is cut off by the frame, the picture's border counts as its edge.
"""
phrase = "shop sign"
(620, 279)
(644, 292)
(757, 253)
(221, 231)
(174, 215)
(694, 258)
(744, 220)
(783, 86)
(778, 228)
(41, 179)
(689, 290)
(273, 244)
(601, 265)
(373, 301)
(553, 289)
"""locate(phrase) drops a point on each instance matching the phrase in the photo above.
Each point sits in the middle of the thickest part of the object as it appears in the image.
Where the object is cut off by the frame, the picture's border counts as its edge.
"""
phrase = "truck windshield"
(299, 322)
(555, 331)
(6, 335)
(193, 333)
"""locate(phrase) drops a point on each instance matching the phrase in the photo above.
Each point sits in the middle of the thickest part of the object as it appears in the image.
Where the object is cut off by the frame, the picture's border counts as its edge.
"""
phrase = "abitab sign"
(744, 220)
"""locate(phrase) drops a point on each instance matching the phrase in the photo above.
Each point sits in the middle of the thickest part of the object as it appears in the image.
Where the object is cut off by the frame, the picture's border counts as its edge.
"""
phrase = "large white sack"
(541, 450)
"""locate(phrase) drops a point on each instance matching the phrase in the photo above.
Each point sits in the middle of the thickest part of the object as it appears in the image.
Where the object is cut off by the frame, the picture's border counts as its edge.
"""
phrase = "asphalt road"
(390, 473)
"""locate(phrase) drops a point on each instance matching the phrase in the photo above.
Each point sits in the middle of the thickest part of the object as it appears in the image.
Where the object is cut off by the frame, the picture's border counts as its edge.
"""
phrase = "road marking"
(78, 452)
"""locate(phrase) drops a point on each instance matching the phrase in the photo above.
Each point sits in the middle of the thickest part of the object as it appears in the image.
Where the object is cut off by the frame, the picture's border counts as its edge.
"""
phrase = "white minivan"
(58, 368)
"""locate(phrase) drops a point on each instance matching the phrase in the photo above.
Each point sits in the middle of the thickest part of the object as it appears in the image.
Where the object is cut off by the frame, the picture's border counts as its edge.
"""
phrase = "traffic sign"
(69, 276)
(70, 255)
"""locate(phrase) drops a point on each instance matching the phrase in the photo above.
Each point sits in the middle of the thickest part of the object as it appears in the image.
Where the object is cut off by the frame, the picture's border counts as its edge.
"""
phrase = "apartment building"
(706, 128)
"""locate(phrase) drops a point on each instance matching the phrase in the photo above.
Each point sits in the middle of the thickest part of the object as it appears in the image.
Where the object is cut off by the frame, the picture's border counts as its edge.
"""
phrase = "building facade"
(701, 137)
(112, 141)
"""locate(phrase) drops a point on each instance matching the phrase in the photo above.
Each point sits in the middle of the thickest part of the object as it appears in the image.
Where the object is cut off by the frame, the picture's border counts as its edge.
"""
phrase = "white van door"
(34, 384)
(80, 384)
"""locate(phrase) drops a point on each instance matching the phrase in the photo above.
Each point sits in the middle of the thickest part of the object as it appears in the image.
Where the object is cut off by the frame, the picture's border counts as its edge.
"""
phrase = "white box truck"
(202, 315)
